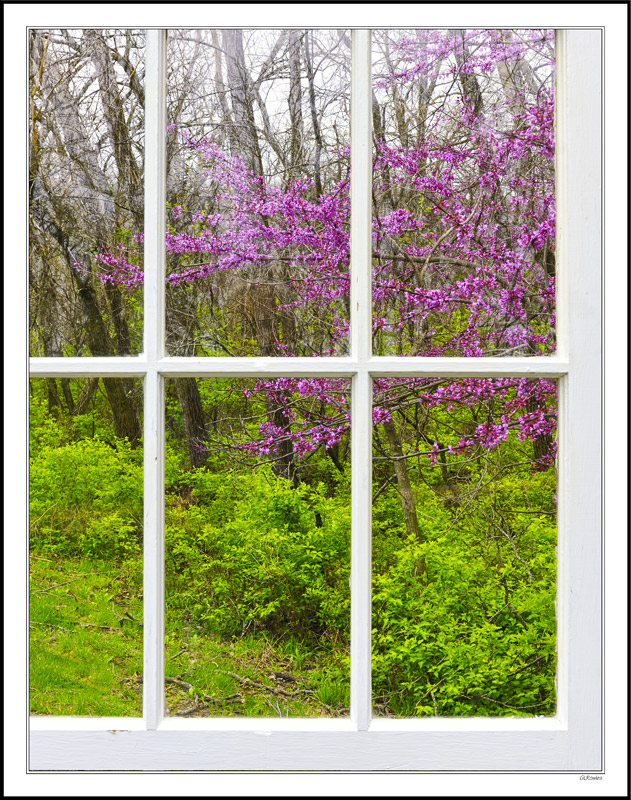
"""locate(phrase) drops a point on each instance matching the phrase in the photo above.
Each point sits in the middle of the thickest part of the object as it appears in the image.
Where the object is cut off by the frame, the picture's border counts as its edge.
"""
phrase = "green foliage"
(86, 496)
(257, 571)
(464, 622)
(44, 431)
(252, 556)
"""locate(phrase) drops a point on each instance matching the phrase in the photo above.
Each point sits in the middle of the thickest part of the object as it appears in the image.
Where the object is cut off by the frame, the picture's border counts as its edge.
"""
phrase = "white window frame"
(569, 741)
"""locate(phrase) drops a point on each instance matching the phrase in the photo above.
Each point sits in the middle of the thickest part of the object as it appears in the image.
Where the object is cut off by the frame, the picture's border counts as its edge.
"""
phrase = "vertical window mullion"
(561, 197)
(579, 186)
(361, 196)
(154, 323)
(155, 194)
(562, 350)
(361, 350)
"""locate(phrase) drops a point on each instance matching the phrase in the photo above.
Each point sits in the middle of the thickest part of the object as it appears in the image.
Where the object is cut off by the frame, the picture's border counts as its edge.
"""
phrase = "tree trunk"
(295, 106)
(85, 395)
(123, 410)
(193, 419)
(119, 319)
(180, 317)
(468, 81)
(542, 444)
(267, 324)
(241, 95)
(129, 189)
(403, 480)
(314, 117)
(54, 403)
(67, 392)
(118, 390)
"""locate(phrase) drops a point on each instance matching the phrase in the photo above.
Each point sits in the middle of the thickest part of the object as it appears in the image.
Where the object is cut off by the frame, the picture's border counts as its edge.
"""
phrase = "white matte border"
(614, 17)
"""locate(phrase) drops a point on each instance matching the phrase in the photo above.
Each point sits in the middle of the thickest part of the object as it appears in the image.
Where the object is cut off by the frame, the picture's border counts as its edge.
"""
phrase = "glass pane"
(257, 547)
(464, 204)
(257, 191)
(86, 193)
(464, 547)
(85, 492)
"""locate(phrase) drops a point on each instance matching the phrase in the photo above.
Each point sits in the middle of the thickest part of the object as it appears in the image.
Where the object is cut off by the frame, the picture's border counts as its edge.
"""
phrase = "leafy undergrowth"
(257, 590)
(86, 655)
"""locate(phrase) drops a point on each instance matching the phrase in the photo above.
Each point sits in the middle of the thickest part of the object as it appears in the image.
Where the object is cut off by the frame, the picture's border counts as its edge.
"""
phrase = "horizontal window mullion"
(109, 367)
(537, 367)
(256, 367)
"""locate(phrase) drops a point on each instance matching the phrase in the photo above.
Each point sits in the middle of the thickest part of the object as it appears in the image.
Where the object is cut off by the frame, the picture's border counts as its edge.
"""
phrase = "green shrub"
(448, 641)
(86, 499)
(253, 556)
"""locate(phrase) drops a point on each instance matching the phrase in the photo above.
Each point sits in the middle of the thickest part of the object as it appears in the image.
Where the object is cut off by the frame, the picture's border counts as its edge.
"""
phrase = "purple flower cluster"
(463, 264)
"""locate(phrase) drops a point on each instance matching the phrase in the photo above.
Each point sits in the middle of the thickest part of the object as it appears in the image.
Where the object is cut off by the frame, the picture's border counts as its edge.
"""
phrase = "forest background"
(257, 563)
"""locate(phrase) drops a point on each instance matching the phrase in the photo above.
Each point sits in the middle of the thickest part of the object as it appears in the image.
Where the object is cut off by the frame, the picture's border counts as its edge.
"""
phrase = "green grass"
(251, 676)
(86, 655)
(85, 639)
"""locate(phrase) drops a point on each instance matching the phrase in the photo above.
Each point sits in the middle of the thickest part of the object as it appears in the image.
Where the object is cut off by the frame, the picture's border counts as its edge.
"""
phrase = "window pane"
(257, 191)
(85, 492)
(86, 126)
(464, 547)
(464, 205)
(257, 547)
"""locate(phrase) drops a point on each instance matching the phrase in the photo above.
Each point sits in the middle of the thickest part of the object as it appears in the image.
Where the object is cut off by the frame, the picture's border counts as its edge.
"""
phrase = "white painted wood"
(361, 526)
(563, 585)
(571, 741)
(317, 750)
(154, 337)
(561, 196)
(257, 367)
(361, 389)
(361, 196)
(466, 724)
(155, 193)
(153, 553)
(300, 724)
(40, 723)
(90, 366)
(268, 724)
(539, 367)
(174, 367)
(562, 256)
(580, 537)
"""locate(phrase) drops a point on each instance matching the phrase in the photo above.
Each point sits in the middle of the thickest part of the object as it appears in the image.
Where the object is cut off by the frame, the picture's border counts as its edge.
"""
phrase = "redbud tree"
(463, 234)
